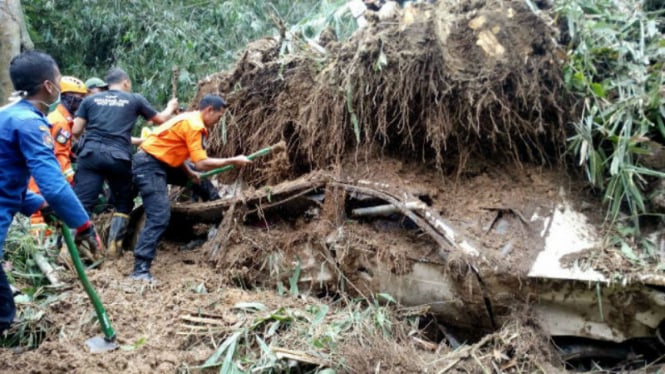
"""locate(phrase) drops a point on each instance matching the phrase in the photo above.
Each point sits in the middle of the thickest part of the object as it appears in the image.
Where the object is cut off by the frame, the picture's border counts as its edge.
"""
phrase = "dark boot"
(117, 234)
(142, 270)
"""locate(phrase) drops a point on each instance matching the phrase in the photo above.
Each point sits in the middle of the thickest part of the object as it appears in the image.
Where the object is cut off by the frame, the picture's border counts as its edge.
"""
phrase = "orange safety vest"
(178, 139)
(61, 130)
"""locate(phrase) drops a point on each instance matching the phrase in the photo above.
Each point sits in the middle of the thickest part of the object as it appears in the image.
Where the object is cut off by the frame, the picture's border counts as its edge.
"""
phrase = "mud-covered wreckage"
(457, 280)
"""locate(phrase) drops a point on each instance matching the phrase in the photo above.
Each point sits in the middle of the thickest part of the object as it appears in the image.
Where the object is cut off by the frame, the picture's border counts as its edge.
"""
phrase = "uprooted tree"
(442, 84)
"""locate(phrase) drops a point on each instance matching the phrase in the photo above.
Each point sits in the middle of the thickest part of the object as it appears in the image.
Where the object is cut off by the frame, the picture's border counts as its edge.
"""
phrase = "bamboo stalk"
(296, 355)
(203, 314)
(203, 328)
(196, 333)
(209, 321)
(46, 268)
(386, 210)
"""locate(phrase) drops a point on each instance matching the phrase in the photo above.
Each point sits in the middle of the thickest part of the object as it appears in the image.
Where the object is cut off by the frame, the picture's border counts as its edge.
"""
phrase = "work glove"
(88, 241)
(48, 213)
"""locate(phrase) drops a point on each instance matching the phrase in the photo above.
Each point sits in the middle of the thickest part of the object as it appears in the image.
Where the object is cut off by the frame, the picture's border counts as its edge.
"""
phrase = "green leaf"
(274, 326)
(567, 74)
(228, 367)
(321, 314)
(22, 299)
(381, 61)
(356, 126)
(598, 89)
(386, 297)
(293, 281)
(628, 252)
(213, 360)
(579, 82)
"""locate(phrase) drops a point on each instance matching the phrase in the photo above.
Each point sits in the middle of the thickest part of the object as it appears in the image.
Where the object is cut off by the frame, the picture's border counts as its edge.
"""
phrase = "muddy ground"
(456, 105)
(149, 319)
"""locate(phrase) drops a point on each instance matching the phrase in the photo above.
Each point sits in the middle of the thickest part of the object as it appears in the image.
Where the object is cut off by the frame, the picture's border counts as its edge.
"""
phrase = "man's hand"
(240, 161)
(88, 240)
(48, 213)
(172, 105)
(194, 176)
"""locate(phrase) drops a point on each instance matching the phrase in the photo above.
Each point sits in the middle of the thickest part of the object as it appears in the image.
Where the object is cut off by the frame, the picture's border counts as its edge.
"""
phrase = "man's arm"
(191, 174)
(194, 138)
(165, 114)
(79, 126)
(215, 163)
(31, 203)
(36, 144)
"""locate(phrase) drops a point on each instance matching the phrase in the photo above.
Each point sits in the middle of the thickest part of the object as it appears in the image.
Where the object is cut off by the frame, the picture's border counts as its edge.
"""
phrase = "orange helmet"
(71, 84)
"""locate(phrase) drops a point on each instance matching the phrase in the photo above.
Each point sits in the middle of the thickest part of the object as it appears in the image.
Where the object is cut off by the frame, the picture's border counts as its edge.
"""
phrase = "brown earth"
(152, 317)
(457, 104)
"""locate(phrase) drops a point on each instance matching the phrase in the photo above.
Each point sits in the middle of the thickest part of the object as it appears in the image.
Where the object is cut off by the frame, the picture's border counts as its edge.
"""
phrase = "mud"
(261, 254)
(466, 117)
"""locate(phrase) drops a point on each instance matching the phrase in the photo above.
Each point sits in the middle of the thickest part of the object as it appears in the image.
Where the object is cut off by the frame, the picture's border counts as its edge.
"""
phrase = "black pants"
(97, 162)
(152, 178)
(7, 307)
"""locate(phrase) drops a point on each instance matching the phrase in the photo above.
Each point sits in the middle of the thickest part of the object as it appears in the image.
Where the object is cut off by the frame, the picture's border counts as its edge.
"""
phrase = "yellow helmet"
(71, 84)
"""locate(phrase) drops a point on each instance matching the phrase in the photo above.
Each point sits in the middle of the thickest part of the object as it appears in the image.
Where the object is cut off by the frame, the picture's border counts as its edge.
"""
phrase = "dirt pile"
(441, 83)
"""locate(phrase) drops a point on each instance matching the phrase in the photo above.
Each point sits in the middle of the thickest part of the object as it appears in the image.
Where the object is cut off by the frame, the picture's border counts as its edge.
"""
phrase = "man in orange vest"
(161, 160)
(61, 119)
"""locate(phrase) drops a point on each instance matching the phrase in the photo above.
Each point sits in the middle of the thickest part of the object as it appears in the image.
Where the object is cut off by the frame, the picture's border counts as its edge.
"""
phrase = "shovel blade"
(100, 345)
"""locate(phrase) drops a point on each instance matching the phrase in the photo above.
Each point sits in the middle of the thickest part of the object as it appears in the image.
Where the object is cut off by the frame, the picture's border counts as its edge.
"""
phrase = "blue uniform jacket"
(26, 148)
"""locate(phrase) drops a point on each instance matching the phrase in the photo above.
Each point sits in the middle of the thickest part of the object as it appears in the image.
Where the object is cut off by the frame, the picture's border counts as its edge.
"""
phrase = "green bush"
(148, 38)
(616, 67)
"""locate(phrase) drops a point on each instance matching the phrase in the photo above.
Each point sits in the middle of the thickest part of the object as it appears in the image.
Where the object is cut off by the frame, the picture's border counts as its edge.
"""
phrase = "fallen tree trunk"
(264, 198)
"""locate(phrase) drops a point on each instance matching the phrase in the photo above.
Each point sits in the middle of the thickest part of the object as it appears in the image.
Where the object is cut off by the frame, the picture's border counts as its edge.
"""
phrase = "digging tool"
(279, 147)
(96, 344)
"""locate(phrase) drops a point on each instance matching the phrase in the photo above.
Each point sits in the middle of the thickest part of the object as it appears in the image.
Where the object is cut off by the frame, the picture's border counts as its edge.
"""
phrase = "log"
(46, 268)
(213, 211)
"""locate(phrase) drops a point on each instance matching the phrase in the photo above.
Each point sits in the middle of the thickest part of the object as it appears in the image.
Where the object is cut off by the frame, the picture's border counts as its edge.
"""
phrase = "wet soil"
(148, 319)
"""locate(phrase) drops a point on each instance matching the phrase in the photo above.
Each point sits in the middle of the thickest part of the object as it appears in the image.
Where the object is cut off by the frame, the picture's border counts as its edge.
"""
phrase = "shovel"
(96, 344)
(279, 147)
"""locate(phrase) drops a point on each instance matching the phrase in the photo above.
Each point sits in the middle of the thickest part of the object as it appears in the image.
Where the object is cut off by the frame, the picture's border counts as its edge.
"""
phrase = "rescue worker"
(203, 190)
(106, 150)
(161, 160)
(72, 92)
(26, 148)
(95, 85)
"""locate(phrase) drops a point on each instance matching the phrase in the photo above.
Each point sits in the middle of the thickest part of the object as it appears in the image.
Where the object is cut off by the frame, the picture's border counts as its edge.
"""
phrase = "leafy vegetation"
(31, 325)
(616, 66)
(148, 38)
(316, 330)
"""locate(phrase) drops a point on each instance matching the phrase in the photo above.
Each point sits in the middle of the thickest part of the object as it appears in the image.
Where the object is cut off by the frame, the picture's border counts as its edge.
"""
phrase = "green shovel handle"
(109, 333)
(254, 155)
